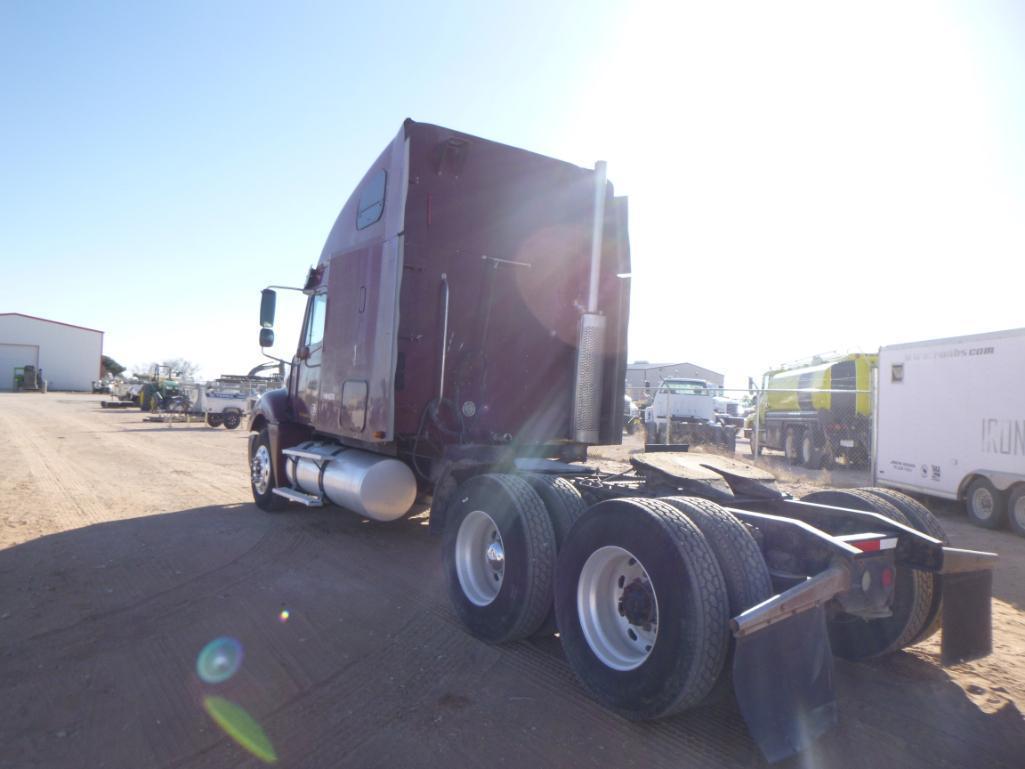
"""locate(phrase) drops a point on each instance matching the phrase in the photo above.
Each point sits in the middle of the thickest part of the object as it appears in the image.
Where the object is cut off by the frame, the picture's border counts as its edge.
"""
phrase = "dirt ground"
(126, 546)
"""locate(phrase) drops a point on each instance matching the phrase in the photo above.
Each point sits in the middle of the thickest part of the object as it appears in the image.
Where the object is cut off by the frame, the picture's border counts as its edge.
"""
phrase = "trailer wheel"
(214, 420)
(232, 419)
(499, 557)
(791, 447)
(923, 520)
(642, 608)
(564, 505)
(986, 506)
(810, 453)
(261, 473)
(854, 638)
(1016, 508)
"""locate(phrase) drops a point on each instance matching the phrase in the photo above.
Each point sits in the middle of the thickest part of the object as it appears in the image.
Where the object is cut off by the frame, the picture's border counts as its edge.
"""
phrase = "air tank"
(377, 487)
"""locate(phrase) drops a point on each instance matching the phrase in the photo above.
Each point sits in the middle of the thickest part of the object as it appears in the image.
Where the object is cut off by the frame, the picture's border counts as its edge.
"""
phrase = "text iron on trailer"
(464, 342)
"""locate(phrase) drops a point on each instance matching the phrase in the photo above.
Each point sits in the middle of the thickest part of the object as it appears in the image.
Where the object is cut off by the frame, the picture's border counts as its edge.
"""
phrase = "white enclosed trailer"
(951, 423)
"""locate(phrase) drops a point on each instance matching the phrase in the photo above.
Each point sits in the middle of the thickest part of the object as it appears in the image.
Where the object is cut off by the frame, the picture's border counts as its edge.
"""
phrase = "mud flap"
(783, 680)
(967, 616)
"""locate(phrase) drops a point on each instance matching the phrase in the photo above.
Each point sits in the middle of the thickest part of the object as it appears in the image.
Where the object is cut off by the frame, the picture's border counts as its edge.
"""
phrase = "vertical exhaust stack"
(591, 332)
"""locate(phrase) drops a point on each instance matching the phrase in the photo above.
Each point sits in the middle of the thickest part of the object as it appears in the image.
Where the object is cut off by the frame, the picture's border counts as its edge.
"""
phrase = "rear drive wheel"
(564, 505)
(214, 420)
(261, 473)
(1016, 508)
(923, 520)
(986, 506)
(791, 447)
(854, 638)
(743, 568)
(810, 453)
(642, 608)
(232, 419)
(499, 557)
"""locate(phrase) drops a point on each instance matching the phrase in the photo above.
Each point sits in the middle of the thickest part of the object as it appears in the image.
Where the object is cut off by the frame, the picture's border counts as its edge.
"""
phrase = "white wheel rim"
(260, 470)
(480, 558)
(982, 503)
(622, 637)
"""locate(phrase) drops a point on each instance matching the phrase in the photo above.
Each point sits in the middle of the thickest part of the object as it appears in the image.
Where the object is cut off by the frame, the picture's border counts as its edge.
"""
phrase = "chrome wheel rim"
(618, 608)
(480, 558)
(982, 503)
(260, 470)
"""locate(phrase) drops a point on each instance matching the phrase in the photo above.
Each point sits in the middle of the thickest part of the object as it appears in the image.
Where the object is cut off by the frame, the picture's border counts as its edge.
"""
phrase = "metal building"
(642, 375)
(68, 355)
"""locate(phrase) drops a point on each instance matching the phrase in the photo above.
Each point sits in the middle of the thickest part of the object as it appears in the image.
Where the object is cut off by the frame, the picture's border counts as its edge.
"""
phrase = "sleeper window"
(371, 200)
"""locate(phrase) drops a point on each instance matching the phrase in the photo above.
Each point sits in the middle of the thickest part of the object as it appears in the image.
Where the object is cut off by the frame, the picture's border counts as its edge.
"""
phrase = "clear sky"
(803, 176)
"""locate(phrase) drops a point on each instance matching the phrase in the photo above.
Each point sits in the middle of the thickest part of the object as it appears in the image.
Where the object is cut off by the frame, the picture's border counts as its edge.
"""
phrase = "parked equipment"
(818, 428)
(29, 379)
(464, 342)
(951, 423)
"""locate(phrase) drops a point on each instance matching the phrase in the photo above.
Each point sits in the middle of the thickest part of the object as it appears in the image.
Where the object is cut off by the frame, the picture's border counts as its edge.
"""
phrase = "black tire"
(232, 419)
(854, 638)
(524, 595)
(564, 505)
(1016, 508)
(791, 446)
(692, 608)
(986, 506)
(810, 453)
(743, 568)
(923, 520)
(266, 499)
(214, 420)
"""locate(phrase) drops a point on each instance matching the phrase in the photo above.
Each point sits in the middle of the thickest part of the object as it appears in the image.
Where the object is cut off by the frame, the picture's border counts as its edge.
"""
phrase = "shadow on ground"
(101, 628)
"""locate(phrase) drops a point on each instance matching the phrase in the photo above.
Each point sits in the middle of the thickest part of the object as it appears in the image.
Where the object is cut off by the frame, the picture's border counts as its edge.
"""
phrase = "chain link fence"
(805, 427)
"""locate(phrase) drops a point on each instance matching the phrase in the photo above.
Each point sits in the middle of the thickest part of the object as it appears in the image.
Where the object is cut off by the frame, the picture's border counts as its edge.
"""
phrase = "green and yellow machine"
(801, 412)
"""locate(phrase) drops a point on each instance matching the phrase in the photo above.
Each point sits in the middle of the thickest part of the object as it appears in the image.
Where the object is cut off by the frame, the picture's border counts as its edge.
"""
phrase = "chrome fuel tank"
(377, 487)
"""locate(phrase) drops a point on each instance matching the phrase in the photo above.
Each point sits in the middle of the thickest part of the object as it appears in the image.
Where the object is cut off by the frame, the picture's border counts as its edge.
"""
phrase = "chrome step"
(310, 455)
(297, 496)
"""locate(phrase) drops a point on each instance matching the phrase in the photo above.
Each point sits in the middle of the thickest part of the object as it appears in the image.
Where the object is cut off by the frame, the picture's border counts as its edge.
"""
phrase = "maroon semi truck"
(464, 342)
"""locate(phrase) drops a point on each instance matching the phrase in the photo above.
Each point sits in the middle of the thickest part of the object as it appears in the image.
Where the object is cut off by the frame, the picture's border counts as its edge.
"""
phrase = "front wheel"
(261, 473)
(499, 557)
(642, 608)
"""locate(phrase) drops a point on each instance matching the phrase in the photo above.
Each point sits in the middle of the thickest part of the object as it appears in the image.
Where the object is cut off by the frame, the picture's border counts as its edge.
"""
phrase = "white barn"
(68, 355)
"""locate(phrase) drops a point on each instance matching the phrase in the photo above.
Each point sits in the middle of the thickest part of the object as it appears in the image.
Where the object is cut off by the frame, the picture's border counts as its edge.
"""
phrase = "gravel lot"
(126, 546)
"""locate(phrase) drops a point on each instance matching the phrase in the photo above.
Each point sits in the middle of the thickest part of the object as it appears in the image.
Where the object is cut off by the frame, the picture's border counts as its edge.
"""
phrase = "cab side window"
(371, 200)
(318, 314)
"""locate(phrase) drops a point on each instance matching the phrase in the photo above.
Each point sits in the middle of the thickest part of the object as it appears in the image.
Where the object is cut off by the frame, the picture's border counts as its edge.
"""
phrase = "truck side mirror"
(268, 300)
(266, 337)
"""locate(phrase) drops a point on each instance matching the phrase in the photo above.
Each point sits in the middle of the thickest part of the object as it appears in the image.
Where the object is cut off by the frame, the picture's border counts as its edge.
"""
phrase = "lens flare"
(219, 660)
(241, 727)
(283, 616)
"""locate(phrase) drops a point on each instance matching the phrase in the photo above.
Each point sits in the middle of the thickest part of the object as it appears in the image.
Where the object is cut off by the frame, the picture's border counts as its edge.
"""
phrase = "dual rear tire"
(643, 588)
(917, 598)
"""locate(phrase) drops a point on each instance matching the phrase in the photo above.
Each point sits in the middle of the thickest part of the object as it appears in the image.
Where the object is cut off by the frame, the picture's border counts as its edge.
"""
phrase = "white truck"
(950, 422)
(691, 404)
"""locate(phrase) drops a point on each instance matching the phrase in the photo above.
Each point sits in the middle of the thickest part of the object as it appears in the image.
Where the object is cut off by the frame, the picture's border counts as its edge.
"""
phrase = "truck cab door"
(308, 362)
